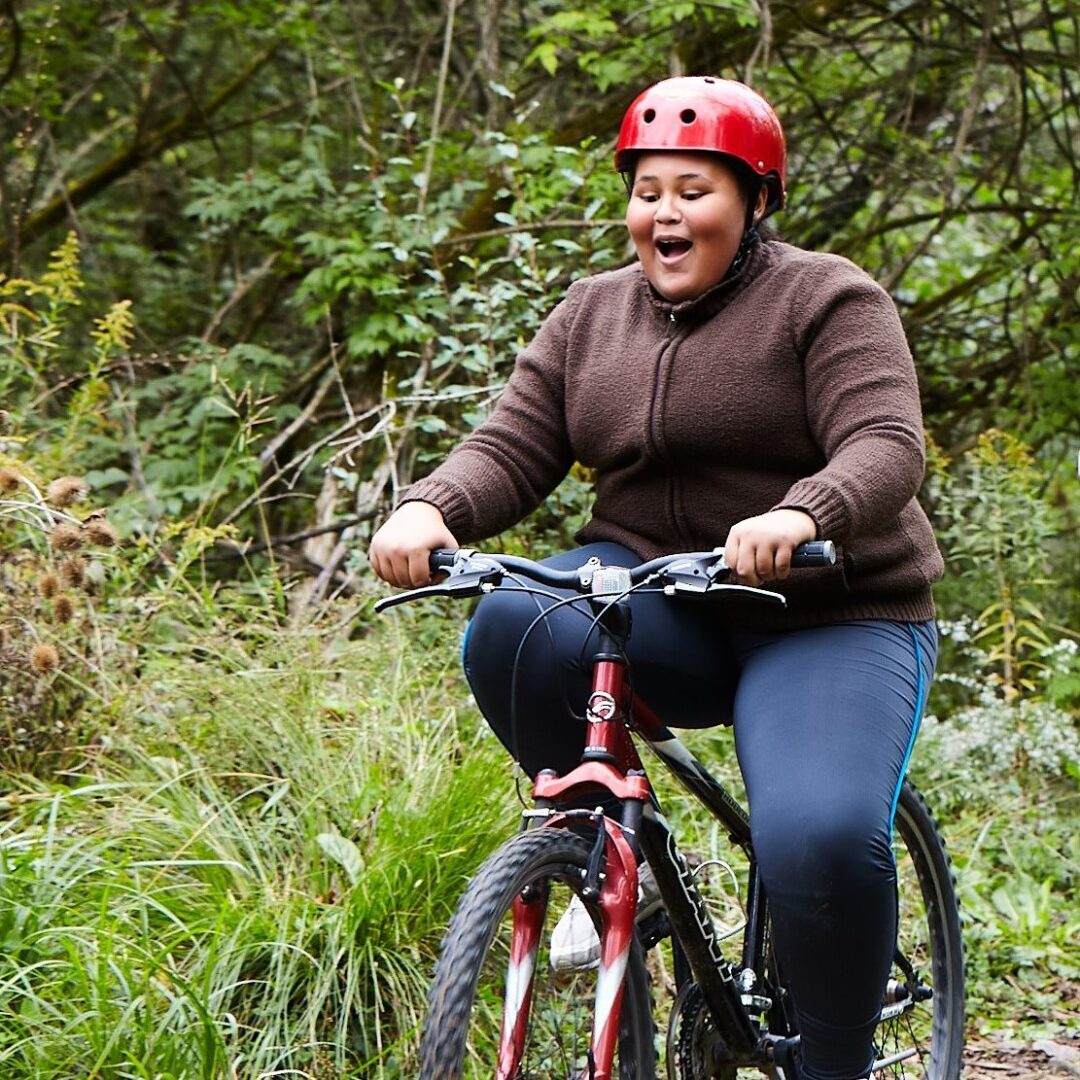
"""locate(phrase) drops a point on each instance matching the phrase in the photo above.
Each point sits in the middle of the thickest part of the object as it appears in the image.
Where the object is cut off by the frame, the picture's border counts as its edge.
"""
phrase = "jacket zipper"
(656, 440)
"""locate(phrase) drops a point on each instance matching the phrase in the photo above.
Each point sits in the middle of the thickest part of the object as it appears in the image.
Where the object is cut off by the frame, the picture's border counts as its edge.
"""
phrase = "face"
(686, 217)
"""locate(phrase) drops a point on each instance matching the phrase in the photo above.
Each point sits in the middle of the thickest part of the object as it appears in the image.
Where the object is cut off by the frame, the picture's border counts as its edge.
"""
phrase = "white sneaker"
(574, 941)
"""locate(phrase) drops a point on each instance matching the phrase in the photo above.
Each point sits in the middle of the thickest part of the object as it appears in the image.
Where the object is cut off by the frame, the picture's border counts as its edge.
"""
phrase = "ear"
(760, 203)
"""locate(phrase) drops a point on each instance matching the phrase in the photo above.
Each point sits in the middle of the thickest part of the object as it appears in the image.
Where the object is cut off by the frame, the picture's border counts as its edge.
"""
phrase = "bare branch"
(7, 10)
(238, 294)
(187, 126)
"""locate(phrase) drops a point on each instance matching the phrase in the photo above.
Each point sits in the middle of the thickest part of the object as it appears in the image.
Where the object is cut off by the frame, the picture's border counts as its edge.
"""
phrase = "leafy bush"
(997, 528)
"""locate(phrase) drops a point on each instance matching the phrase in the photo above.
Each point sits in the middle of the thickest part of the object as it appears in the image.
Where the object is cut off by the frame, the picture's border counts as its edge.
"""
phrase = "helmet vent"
(688, 116)
(649, 116)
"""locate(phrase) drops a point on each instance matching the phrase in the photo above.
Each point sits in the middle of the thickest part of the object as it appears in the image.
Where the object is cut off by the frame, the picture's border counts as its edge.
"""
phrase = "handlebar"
(471, 573)
(812, 553)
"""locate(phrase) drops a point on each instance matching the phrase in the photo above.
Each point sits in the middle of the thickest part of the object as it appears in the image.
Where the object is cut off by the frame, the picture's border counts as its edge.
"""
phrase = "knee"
(821, 853)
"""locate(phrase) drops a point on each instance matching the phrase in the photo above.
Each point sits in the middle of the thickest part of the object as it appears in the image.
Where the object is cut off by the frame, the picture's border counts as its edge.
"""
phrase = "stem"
(444, 66)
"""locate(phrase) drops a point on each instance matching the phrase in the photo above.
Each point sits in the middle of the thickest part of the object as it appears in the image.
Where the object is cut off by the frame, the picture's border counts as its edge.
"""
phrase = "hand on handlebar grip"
(400, 550)
(761, 548)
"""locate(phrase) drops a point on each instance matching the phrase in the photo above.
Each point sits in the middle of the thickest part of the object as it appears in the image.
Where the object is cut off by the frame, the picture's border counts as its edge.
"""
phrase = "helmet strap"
(750, 236)
(749, 239)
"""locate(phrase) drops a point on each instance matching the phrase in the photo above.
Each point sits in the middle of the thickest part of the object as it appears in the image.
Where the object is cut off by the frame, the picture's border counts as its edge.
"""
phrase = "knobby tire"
(930, 938)
(461, 1032)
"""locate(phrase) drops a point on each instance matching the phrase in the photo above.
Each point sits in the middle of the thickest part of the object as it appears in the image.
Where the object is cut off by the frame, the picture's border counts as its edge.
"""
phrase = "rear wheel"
(461, 1035)
(921, 1033)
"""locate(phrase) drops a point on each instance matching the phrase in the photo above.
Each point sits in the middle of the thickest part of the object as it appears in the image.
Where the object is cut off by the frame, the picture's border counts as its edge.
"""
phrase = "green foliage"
(55, 617)
(605, 40)
(997, 531)
(179, 443)
(251, 884)
(1017, 868)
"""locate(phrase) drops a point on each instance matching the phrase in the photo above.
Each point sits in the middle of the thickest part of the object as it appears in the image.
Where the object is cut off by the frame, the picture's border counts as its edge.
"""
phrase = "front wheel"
(483, 977)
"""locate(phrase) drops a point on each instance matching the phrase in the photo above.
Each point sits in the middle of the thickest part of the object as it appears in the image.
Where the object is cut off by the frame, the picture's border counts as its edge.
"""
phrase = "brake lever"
(750, 591)
(698, 577)
(709, 588)
(458, 583)
(691, 575)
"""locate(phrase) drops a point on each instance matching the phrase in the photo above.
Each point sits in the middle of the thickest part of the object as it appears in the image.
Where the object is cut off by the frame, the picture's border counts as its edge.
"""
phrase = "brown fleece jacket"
(790, 385)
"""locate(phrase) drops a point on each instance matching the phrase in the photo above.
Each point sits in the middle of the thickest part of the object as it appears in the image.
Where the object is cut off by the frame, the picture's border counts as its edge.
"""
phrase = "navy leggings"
(824, 719)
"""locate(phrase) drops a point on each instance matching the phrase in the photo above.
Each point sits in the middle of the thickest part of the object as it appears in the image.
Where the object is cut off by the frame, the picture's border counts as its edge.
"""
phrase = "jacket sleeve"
(517, 457)
(862, 400)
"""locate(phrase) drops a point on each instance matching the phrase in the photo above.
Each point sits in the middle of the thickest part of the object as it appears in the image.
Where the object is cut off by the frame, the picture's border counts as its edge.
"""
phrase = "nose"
(667, 209)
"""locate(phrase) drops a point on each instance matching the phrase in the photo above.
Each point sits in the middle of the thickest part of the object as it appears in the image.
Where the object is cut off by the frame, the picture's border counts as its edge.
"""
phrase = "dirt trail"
(1041, 1060)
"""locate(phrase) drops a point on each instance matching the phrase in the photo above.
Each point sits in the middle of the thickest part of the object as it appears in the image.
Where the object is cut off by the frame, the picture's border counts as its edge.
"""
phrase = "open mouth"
(673, 249)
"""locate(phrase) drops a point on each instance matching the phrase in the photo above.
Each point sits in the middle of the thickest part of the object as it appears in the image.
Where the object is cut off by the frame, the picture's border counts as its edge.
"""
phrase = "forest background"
(263, 263)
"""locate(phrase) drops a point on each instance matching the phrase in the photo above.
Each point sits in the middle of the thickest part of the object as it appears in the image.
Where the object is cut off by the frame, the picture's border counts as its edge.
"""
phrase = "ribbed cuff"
(823, 503)
(450, 500)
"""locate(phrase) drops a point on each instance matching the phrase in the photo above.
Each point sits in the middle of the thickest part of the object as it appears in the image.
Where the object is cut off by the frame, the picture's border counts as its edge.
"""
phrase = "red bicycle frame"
(610, 764)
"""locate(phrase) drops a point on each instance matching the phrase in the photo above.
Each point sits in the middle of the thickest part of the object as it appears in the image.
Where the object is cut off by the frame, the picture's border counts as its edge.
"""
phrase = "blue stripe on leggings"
(919, 692)
(465, 643)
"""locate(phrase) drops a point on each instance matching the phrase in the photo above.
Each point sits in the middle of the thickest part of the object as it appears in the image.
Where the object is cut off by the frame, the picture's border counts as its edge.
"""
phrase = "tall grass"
(250, 875)
(260, 892)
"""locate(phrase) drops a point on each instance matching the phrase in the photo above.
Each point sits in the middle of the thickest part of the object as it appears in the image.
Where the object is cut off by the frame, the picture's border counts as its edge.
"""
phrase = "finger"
(399, 571)
(783, 562)
(419, 568)
(746, 565)
(375, 562)
(731, 551)
(765, 561)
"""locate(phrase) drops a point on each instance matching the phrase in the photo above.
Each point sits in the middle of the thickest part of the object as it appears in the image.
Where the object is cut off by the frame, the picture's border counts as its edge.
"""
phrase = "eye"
(692, 195)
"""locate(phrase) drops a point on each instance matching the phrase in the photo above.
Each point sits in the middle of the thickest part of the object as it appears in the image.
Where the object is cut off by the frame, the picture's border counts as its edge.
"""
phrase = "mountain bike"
(498, 1007)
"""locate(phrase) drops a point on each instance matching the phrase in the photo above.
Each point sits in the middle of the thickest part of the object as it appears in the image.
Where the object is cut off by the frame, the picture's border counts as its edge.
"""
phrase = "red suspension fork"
(524, 944)
(610, 767)
(618, 910)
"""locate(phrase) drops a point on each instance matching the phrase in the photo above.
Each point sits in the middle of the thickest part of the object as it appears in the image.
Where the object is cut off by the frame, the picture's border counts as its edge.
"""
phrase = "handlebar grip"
(815, 553)
(441, 559)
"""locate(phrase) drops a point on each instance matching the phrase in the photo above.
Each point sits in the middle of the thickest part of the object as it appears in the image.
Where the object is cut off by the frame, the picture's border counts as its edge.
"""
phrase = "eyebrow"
(681, 176)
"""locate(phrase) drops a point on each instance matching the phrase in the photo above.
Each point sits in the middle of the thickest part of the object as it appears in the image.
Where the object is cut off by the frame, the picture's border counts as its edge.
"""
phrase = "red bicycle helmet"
(701, 112)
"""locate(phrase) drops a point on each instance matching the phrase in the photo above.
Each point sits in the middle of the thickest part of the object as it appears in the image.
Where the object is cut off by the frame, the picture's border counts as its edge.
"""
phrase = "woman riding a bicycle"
(725, 389)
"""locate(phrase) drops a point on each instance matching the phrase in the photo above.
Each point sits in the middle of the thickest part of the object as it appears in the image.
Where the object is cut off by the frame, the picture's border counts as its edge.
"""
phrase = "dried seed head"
(65, 490)
(44, 658)
(63, 608)
(5, 421)
(66, 538)
(9, 480)
(100, 532)
(48, 585)
(73, 570)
